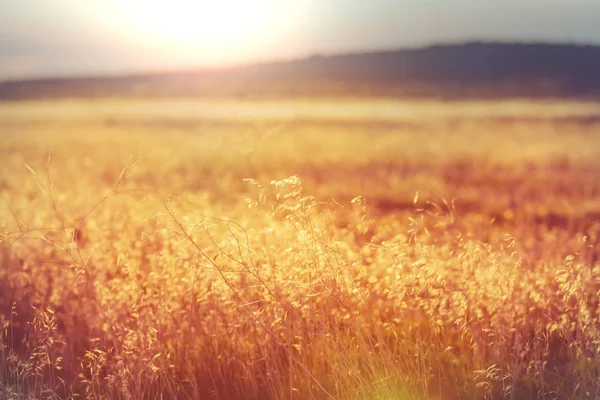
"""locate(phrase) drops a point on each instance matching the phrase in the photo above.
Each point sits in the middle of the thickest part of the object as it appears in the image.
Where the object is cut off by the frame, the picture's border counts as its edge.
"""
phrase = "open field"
(299, 249)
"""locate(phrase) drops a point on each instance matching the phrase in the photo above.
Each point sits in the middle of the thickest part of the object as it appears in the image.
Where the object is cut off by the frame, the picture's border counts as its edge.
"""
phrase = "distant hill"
(471, 70)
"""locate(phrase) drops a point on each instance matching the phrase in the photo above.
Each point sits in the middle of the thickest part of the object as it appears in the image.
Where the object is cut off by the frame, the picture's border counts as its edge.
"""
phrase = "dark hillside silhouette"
(471, 70)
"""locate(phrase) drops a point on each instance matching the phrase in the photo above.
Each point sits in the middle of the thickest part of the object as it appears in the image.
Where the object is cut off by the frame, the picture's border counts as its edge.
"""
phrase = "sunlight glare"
(214, 24)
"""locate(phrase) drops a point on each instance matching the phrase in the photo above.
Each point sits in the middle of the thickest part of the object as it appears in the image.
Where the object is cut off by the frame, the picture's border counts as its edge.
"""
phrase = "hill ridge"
(475, 69)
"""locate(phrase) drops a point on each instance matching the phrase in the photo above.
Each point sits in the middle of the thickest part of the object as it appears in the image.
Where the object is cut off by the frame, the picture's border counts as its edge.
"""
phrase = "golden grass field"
(299, 250)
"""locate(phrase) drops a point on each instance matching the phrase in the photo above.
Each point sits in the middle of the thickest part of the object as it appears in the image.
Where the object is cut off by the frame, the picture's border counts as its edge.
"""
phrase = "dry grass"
(181, 258)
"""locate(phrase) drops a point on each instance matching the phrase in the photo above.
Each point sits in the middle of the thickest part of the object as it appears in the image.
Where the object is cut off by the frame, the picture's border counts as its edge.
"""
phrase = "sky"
(47, 38)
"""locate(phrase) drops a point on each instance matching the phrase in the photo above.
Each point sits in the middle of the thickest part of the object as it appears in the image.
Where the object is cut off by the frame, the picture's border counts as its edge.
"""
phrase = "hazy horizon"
(98, 38)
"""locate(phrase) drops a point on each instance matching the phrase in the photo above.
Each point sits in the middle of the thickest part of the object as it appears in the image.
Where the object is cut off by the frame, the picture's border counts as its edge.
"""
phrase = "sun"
(214, 24)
